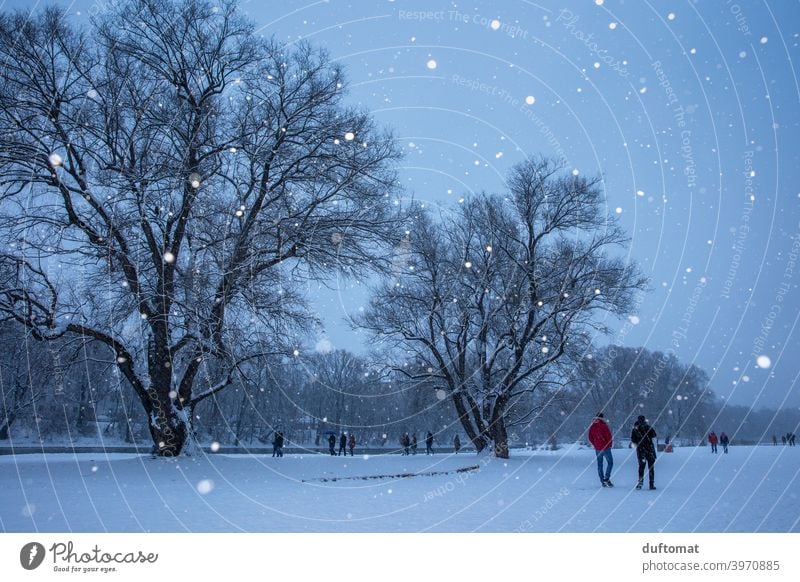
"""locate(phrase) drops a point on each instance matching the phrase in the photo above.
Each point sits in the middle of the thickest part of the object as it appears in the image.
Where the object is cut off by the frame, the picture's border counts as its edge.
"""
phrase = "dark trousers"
(725, 448)
(351, 451)
(428, 449)
(713, 447)
(647, 460)
(332, 449)
(342, 450)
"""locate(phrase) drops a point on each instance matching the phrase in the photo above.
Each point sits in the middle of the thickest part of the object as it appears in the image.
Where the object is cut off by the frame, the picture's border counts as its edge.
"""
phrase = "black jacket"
(642, 436)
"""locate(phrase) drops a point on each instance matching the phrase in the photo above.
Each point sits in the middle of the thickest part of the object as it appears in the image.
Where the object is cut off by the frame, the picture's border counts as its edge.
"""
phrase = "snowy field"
(752, 489)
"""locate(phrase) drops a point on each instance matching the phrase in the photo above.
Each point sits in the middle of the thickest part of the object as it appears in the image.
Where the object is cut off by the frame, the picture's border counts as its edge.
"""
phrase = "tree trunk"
(497, 429)
(476, 437)
(169, 426)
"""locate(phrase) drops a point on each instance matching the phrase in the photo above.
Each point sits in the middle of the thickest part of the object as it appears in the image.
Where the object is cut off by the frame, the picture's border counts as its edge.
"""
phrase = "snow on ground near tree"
(752, 489)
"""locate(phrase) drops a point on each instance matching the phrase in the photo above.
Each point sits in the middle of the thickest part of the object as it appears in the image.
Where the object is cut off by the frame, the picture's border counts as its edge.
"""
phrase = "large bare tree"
(494, 295)
(168, 177)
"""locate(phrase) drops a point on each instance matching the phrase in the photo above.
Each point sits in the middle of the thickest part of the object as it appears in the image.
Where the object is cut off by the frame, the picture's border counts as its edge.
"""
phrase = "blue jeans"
(609, 464)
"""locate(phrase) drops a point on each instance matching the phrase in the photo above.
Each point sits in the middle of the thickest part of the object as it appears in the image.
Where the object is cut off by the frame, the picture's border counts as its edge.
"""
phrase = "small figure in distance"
(332, 444)
(642, 436)
(457, 444)
(277, 444)
(343, 444)
(429, 443)
(724, 440)
(712, 439)
(351, 443)
(601, 439)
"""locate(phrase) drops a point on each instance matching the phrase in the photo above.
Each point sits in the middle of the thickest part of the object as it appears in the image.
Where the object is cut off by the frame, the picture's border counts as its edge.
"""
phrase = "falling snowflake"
(205, 486)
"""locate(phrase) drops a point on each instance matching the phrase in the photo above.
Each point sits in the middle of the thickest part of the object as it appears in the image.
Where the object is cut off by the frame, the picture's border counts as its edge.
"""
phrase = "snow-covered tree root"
(469, 469)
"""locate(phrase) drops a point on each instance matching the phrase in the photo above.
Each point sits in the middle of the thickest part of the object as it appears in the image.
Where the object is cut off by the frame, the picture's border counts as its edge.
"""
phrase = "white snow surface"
(752, 489)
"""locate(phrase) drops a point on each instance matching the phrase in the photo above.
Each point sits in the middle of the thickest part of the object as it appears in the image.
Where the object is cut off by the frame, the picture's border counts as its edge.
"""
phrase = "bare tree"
(493, 297)
(167, 179)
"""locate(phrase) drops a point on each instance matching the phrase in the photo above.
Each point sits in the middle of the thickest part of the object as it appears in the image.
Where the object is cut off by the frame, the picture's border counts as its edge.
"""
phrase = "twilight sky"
(688, 110)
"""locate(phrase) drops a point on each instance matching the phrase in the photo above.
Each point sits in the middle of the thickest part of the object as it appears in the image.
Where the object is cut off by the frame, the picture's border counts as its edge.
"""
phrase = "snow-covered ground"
(752, 489)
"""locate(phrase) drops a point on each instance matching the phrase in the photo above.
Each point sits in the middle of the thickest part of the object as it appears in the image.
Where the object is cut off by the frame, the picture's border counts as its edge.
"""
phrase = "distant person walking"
(414, 445)
(783, 439)
(332, 444)
(277, 445)
(601, 439)
(429, 443)
(343, 445)
(405, 442)
(457, 444)
(712, 439)
(791, 438)
(774, 441)
(642, 436)
(724, 440)
(351, 443)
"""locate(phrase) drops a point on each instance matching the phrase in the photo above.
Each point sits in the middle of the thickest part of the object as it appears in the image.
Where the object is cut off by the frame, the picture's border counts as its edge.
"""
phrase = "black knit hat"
(599, 415)
(641, 418)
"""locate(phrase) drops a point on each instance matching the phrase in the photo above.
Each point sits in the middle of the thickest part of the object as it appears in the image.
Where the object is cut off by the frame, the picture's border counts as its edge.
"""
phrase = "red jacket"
(600, 435)
(352, 442)
(712, 438)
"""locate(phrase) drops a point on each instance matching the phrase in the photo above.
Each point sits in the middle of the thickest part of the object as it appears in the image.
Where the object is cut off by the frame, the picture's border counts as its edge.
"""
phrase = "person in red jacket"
(351, 443)
(713, 440)
(600, 437)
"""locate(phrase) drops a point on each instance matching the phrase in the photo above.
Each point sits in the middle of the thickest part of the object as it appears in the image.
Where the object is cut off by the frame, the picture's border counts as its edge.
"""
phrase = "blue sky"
(688, 110)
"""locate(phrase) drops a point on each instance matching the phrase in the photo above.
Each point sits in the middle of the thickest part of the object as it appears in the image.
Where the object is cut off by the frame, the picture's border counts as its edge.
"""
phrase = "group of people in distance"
(344, 443)
(723, 439)
(786, 439)
(409, 444)
(642, 435)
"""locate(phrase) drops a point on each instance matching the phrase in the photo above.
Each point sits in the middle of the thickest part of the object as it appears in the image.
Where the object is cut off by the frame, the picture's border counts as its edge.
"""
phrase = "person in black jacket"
(332, 444)
(642, 436)
(343, 445)
(724, 440)
(429, 443)
(277, 444)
